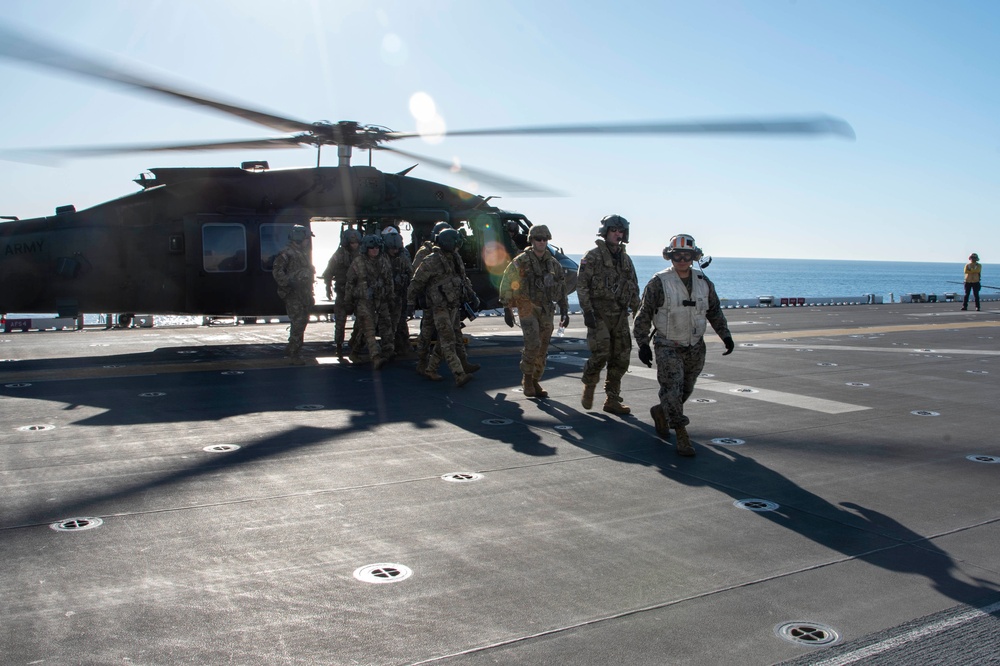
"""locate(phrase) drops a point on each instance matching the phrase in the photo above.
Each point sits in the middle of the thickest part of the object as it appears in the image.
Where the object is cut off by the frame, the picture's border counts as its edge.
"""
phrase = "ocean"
(741, 278)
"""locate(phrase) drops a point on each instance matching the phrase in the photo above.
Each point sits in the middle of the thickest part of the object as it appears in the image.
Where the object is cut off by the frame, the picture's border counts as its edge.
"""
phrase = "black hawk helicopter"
(202, 241)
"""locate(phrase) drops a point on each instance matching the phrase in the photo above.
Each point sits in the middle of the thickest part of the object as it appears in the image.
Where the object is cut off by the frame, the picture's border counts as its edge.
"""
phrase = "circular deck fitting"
(703, 401)
(385, 572)
(76, 524)
(221, 448)
(857, 384)
(803, 349)
(971, 372)
(984, 459)
(308, 408)
(497, 422)
(925, 350)
(807, 633)
(20, 385)
(827, 364)
(706, 375)
(36, 428)
(924, 412)
(100, 344)
(152, 394)
(758, 505)
(232, 372)
(461, 477)
(729, 441)
(747, 344)
(743, 390)
(563, 427)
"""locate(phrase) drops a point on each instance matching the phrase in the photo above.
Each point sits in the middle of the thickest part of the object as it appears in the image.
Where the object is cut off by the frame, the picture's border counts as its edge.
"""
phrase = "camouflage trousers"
(402, 332)
(298, 315)
(610, 344)
(373, 322)
(445, 323)
(340, 317)
(677, 369)
(536, 327)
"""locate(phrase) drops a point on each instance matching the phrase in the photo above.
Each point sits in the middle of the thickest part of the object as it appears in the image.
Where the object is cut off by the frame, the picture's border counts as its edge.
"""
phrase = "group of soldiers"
(673, 313)
(383, 290)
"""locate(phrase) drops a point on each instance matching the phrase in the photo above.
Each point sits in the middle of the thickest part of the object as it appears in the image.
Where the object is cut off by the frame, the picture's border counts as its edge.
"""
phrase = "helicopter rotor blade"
(485, 177)
(54, 155)
(815, 125)
(20, 47)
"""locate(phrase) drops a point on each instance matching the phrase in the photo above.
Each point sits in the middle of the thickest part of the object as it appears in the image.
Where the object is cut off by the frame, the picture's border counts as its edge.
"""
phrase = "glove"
(409, 310)
(563, 320)
(730, 346)
(475, 302)
(329, 293)
(646, 355)
(508, 317)
(588, 319)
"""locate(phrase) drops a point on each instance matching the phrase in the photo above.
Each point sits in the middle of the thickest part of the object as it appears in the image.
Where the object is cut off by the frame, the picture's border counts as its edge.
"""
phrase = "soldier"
(531, 283)
(426, 336)
(294, 273)
(678, 302)
(335, 277)
(370, 292)
(402, 273)
(440, 281)
(608, 288)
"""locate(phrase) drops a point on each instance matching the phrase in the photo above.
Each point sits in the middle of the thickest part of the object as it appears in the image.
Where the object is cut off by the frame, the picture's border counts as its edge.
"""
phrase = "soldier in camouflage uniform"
(402, 273)
(294, 273)
(425, 338)
(531, 283)
(439, 281)
(608, 288)
(335, 277)
(678, 302)
(370, 292)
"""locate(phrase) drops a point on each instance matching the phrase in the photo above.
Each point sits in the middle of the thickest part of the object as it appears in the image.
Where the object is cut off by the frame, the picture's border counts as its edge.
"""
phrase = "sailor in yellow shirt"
(973, 271)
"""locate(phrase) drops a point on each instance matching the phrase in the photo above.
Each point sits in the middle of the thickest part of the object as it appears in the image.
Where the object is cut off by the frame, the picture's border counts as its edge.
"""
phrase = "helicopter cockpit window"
(224, 248)
(273, 239)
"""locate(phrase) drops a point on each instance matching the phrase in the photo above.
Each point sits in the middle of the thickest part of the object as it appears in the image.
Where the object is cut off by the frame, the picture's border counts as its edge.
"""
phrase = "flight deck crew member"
(608, 288)
(973, 273)
(370, 292)
(335, 277)
(533, 281)
(678, 302)
(439, 282)
(402, 273)
(294, 273)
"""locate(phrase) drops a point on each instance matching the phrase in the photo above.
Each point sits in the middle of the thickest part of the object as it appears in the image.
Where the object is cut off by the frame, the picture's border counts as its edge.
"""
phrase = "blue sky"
(917, 80)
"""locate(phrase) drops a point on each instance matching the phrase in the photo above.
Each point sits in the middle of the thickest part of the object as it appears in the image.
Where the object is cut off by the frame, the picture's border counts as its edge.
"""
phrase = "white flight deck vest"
(678, 323)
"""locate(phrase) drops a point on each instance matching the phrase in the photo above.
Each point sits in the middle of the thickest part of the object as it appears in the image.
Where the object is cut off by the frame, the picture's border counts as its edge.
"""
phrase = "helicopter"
(202, 240)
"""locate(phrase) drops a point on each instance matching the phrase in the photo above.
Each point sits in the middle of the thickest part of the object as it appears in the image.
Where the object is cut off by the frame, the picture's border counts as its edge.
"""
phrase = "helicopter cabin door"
(229, 261)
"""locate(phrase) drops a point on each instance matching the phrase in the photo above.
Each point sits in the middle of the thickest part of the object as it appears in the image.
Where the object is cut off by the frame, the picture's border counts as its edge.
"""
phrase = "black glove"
(730, 346)
(588, 319)
(475, 302)
(508, 317)
(646, 355)
(329, 293)
(563, 320)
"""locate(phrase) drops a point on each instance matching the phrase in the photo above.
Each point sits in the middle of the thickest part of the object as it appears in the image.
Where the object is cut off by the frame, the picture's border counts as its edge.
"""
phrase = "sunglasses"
(681, 256)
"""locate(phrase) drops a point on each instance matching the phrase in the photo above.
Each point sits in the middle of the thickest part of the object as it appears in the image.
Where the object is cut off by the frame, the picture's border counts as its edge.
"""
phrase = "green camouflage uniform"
(677, 365)
(532, 285)
(336, 273)
(402, 273)
(370, 292)
(608, 287)
(294, 273)
(440, 283)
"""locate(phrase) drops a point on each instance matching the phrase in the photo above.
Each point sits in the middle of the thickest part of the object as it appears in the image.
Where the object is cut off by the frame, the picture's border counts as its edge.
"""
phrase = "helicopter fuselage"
(202, 240)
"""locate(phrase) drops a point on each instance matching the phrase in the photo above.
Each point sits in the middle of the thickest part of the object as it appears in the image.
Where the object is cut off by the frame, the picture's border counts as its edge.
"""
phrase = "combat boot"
(660, 421)
(379, 361)
(354, 357)
(528, 384)
(463, 379)
(539, 391)
(339, 347)
(614, 405)
(469, 367)
(684, 447)
(588, 396)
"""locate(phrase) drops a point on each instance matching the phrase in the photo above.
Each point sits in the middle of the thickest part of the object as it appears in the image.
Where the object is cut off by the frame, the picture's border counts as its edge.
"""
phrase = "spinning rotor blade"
(817, 125)
(50, 155)
(484, 177)
(22, 48)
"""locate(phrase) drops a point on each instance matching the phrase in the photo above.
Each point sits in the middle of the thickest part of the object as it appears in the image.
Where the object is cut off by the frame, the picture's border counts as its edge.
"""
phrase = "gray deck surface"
(586, 541)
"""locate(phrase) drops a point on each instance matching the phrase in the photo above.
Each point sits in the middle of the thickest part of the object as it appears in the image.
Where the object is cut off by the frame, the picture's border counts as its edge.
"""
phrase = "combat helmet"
(371, 241)
(392, 241)
(449, 240)
(540, 231)
(438, 228)
(682, 243)
(974, 257)
(612, 222)
(348, 236)
(299, 233)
